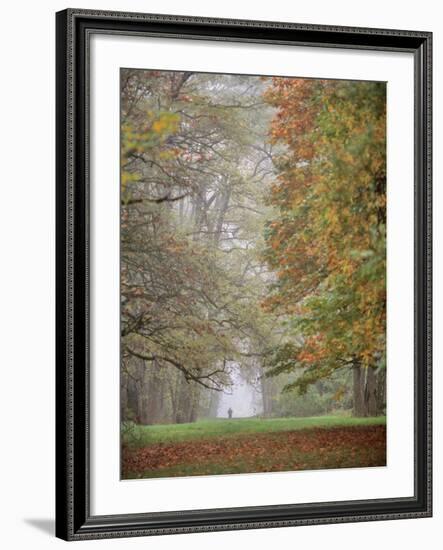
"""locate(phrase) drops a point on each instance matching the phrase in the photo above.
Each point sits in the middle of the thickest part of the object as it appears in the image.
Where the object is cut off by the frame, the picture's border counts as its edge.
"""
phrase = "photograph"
(222, 275)
(252, 273)
(243, 274)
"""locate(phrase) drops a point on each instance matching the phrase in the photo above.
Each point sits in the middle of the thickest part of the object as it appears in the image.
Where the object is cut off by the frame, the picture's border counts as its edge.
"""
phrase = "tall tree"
(327, 243)
(193, 160)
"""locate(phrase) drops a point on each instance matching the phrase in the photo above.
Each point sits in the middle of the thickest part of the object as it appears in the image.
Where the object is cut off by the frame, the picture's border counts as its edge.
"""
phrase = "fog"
(243, 398)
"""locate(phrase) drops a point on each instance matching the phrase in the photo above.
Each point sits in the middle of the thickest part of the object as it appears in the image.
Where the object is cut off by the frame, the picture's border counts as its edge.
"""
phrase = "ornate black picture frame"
(74, 520)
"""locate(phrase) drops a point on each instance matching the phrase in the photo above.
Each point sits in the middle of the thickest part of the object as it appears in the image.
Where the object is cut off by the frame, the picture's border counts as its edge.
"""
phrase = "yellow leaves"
(166, 123)
(148, 134)
(348, 268)
(159, 125)
(331, 216)
(331, 196)
(146, 138)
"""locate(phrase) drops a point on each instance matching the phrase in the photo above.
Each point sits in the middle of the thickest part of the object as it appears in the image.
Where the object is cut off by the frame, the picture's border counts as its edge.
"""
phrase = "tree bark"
(153, 396)
(188, 402)
(358, 399)
(370, 397)
(213, 404)
(266, 397)
(364, 391)
(380, 392)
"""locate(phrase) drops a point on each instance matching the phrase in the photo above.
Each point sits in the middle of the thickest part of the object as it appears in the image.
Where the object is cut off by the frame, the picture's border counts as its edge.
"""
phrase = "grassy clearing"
(273, 451)
(141, 436)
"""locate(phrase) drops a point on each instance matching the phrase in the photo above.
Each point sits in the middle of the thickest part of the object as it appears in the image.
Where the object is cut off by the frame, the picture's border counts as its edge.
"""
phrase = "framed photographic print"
(243, 274)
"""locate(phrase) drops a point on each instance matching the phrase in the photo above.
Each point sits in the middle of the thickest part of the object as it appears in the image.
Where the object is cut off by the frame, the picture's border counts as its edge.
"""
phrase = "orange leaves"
(314, 350)
(328, 243)
(296, 111)
(282, 451)
(275, 244)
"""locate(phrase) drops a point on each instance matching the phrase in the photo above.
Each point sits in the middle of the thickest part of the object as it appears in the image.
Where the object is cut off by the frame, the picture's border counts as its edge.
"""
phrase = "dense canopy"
(253, 240)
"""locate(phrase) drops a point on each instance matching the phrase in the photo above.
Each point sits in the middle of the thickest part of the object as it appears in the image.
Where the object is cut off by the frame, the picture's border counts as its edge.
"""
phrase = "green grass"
(341, 458)
(141, 436)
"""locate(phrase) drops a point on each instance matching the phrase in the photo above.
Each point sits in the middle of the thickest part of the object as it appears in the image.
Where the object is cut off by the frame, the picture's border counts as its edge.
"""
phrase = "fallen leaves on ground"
(314, 448)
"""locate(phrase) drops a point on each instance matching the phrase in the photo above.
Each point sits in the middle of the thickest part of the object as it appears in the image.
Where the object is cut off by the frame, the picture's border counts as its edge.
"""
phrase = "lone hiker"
(230, 412)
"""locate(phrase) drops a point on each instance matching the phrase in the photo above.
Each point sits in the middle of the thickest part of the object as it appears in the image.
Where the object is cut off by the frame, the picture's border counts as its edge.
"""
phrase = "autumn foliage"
(252, 268)
(327, 241)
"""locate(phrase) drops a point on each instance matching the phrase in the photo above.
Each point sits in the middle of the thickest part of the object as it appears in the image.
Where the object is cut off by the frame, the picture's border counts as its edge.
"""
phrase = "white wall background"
(27, 272)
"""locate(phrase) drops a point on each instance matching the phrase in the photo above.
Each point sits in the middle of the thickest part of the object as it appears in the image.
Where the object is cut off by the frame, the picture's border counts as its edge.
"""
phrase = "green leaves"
(327, 241)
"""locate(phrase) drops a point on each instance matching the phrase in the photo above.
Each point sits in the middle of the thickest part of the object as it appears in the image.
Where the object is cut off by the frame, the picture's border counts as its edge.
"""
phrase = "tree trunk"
(153, 396)
(187, 406)
(370, 387)
(380, 392)
(266, 397)
(223, 205)
(213, 404)
(149, 394)
(364, 391)
(358, 398)
(194, 403)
